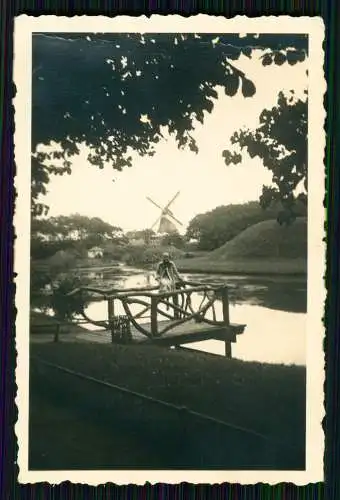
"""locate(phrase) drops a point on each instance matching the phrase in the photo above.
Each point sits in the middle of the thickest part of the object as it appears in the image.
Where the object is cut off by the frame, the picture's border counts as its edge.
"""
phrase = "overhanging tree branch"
(93, 89)
(280, 141)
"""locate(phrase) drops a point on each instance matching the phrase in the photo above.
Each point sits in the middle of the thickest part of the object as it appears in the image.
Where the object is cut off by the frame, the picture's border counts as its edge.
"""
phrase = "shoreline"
(260, 267)
(239, 273)
(249, 267)
(288, 267)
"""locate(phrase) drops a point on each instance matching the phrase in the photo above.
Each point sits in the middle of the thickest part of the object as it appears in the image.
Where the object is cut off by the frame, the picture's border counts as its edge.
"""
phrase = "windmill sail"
(166, 219)
(166, 226)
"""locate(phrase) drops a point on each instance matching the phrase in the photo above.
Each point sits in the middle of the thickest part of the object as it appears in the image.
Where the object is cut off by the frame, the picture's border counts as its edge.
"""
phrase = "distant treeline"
(76, 234)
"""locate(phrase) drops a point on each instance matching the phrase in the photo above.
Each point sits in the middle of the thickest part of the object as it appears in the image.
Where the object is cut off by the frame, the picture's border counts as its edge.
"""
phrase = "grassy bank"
(205, 264)
(43, 324)
(268, 399)
(76, 424)
(243, 266)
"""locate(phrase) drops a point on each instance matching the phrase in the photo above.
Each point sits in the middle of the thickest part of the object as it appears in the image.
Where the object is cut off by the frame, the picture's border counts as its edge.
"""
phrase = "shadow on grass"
(75, 424)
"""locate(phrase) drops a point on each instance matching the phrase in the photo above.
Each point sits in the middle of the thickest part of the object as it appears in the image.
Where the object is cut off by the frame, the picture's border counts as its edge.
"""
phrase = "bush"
(189, 255)
(114, 251)
(174, 239)
(47, 249)
(148, 255)
(67, 306)
(62, 261)
(60, 277)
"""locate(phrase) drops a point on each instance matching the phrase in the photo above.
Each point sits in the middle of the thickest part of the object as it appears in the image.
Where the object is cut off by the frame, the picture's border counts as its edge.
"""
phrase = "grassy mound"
(264, 248)
(267, 239)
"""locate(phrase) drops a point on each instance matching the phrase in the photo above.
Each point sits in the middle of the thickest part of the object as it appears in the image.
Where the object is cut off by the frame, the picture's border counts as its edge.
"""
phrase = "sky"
(203, 179)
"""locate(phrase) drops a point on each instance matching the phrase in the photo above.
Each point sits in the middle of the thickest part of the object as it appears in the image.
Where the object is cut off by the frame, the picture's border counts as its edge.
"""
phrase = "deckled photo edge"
(24, 27)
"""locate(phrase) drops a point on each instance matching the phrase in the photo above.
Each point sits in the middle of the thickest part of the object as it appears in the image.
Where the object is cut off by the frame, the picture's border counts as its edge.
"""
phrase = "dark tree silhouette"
(93, 89)
(281, 142)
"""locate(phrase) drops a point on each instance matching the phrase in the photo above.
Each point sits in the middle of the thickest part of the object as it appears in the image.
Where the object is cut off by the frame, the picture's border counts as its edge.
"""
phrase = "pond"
(273, 308)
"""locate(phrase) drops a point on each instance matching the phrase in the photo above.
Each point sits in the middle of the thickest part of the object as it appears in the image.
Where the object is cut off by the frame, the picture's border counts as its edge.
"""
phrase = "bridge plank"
(181, 334)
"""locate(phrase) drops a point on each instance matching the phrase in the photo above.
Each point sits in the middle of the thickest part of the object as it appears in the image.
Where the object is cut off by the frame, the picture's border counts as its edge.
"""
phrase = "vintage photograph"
(165, 243)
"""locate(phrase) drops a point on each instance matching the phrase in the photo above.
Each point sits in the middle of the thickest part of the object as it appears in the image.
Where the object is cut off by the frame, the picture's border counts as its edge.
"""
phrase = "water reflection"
(273, 309)
(279, 292)
(271, 336)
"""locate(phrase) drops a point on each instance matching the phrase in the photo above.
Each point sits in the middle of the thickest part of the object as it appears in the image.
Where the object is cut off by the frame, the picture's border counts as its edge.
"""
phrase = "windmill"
(165, 220)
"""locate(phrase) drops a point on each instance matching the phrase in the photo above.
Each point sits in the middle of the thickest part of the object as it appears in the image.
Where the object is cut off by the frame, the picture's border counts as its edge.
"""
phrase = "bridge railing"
(162, 311)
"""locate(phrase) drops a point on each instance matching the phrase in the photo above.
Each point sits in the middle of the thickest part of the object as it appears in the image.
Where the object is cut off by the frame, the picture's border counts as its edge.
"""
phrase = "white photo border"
(313, 27)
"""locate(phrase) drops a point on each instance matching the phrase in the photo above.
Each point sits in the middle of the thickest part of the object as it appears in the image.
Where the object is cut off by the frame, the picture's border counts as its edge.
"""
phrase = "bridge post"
(57, 332)
(111, 314)
(175, 301)
(154, 324)
(226, 319)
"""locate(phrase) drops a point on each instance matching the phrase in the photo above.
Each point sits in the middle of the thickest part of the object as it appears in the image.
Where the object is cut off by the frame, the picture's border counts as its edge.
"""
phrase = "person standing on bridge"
(167, 274)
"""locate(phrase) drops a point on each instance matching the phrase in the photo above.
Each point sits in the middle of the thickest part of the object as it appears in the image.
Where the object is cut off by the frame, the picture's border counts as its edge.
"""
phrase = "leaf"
(74, 77)
(193, 147)
(248, 88)
(280, 141)
(230, 158)
(200, 116)
(231, 86)
(209, 105)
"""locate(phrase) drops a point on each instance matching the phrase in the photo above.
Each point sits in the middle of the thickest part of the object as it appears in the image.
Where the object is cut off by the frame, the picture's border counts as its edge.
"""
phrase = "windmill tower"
(167, 221)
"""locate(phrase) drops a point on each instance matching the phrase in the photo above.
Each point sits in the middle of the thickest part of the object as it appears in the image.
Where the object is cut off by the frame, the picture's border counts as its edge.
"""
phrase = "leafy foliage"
(49, 286)
(67, 306)
(281, 142)
(48, 249)
(174, 239)
(93, 89)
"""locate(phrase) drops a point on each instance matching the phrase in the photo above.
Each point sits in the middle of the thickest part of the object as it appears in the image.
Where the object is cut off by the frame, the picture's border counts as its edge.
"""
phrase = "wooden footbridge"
(164, 318)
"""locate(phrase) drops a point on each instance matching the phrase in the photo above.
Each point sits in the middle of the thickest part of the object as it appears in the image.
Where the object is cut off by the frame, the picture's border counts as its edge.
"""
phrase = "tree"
(117, 92)
(281, 142)
(174, 239)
